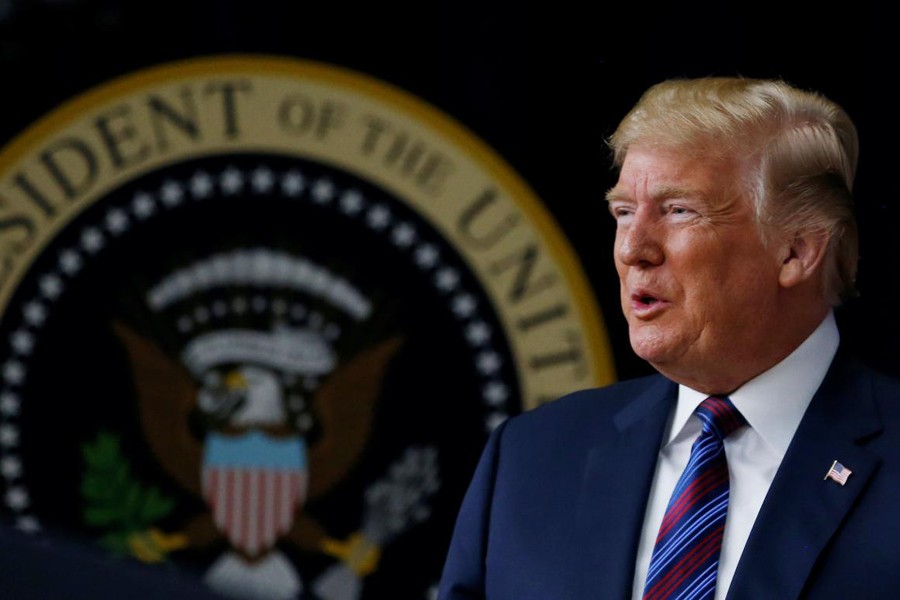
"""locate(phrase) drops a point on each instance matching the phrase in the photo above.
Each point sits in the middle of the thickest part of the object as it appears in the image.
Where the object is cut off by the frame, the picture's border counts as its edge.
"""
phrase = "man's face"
(698, 286)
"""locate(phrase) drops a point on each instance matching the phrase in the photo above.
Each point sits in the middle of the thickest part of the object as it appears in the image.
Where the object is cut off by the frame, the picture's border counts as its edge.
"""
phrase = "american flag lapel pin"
(838, 472)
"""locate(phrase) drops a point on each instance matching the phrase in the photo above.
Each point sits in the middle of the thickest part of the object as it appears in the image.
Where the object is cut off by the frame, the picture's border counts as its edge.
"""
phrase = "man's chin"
(655, 356)
(651, 343)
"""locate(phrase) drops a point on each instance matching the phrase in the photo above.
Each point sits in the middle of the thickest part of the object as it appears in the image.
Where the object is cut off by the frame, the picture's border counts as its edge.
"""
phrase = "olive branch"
(114, 499)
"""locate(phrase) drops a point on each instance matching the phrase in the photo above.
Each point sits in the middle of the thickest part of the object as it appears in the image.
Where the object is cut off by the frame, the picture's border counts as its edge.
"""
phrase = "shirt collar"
(792, 383)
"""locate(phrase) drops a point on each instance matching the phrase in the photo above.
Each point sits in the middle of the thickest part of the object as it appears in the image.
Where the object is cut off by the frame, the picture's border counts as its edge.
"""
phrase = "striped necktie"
(685, 559)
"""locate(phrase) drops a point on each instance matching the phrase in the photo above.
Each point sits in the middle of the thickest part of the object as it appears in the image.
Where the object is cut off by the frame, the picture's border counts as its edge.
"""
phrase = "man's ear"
(802, 257)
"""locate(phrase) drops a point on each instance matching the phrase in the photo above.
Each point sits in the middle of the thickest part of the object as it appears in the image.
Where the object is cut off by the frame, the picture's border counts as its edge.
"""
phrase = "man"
(735, 238)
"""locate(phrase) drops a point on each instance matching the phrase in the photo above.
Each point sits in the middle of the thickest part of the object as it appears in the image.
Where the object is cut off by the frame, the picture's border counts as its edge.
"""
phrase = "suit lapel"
(614, 493)
(802, 509)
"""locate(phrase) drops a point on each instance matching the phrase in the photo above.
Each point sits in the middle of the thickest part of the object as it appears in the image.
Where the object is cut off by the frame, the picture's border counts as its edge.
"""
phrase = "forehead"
(656, 173)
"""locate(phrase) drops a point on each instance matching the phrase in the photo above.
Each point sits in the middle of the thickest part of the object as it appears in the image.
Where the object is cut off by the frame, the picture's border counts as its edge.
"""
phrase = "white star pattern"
(35, 313)
(219, 308)
(426, 256)
(201, 185)
(446, 279)
(296, 402)
(171, 193)
(91, 240)
(262, 180)
(304, 422)
(17, 498)
(51, 286)
(22, 342)
(9, 435)
(28, 524)
(239, 305)
(10, 467)
(232, 181)
(116, 221)
(9, 404)
(403, 235)
(351, 202)
(494, 420)
(323, 191)
(478, 333)
(279, 306)
(201, 314)
(143, 205)
(463, 305)
(488, 362)
(378, 217)
(70, 262)
(293, 183)
(496, 393)
(14, 372)
(185, 324)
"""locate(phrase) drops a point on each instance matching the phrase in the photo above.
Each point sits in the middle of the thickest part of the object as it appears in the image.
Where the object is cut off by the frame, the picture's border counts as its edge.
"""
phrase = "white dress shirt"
(773, 404)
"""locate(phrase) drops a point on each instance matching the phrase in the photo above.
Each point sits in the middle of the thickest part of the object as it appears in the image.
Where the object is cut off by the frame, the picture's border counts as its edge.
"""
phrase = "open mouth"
(645, 305)
(644, 299)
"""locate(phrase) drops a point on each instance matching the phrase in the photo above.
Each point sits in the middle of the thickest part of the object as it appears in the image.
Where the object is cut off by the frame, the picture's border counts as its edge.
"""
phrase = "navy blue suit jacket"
(556, 505)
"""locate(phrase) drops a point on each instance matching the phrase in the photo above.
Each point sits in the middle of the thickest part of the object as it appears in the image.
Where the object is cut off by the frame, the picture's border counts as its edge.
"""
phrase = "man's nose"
(639, 242)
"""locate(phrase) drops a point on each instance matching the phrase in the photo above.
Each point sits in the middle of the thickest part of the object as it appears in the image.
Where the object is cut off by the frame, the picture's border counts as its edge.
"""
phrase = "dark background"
(543, 85)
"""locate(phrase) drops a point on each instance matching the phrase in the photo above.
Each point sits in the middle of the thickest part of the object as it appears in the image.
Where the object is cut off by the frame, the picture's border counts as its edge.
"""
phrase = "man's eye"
(619, 211)
(679, 210)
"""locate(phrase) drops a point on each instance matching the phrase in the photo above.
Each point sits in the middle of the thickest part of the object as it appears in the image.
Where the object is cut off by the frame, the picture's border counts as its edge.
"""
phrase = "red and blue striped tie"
(685, 559)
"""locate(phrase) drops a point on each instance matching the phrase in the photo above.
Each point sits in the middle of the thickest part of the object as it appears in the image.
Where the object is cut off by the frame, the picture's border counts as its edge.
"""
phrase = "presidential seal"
(258, 318)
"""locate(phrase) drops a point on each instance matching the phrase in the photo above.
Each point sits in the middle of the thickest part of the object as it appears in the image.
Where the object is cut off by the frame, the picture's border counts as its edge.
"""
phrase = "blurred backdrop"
(272, 271)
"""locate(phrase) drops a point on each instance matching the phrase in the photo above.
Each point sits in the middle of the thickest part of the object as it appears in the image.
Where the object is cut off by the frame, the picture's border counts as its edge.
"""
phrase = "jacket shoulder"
(588, 408)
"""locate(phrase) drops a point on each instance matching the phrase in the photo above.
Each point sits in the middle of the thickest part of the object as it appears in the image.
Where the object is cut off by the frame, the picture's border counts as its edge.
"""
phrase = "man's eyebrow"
(664, 192)
(614, 195)
(670, 192)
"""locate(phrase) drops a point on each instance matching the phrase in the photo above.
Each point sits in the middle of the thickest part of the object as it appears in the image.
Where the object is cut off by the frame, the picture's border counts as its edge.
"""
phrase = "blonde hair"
(799, 150)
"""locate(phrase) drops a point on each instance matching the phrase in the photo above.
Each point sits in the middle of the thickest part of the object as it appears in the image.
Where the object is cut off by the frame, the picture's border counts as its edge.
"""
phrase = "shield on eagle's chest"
(254, 485)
